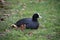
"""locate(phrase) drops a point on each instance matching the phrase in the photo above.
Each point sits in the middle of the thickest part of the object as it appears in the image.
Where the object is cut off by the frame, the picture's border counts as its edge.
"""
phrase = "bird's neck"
(34, 19)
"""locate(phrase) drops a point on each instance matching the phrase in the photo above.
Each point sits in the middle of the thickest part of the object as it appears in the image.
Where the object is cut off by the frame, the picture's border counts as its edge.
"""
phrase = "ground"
(18, 9)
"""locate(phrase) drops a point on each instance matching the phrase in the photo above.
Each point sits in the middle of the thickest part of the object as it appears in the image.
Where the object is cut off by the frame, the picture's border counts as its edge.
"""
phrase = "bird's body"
(28, 22)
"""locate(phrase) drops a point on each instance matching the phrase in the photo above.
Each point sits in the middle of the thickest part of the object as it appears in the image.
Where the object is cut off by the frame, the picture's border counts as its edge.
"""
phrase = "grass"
(18, 9)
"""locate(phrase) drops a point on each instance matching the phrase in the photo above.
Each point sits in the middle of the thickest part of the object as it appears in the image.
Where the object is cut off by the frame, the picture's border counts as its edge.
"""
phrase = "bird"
(28, 23)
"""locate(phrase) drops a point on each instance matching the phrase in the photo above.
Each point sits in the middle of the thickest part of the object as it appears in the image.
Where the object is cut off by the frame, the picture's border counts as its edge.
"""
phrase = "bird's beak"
(40, 16)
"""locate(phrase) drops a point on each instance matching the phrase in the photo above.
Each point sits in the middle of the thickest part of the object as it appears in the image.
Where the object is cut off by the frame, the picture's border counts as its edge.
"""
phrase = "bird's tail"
(13, 26)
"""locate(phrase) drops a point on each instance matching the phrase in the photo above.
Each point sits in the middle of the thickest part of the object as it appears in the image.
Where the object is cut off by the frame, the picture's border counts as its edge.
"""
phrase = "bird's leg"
(22, 27)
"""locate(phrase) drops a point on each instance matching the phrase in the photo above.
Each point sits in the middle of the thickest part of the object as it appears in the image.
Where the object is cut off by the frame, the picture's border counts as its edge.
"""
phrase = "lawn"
(17, 9)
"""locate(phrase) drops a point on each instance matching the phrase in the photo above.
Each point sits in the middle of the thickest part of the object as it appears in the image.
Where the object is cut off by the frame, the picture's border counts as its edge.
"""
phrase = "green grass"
(18, 9)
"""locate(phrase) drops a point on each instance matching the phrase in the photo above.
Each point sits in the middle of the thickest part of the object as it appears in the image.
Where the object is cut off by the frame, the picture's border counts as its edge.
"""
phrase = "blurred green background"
(13, 10)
